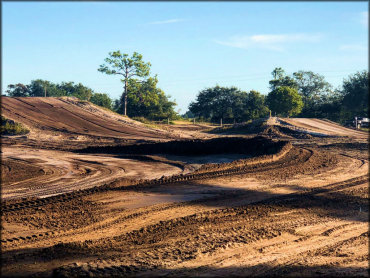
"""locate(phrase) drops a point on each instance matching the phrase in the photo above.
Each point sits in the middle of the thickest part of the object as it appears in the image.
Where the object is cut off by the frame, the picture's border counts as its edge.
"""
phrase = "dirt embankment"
(293, 128)
(69, 118)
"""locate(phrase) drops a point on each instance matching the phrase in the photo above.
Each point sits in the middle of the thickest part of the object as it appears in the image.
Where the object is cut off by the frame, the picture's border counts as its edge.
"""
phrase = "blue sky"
(191, 45)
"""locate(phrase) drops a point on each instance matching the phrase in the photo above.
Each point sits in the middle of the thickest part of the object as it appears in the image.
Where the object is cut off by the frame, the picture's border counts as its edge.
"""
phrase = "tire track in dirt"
(163, 208)
(231, 245)
(200, 174)
(198, 237)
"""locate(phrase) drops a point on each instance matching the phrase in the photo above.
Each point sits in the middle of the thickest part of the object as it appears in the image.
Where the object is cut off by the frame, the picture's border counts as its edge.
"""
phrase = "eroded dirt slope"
(322, 126)
(71, 117)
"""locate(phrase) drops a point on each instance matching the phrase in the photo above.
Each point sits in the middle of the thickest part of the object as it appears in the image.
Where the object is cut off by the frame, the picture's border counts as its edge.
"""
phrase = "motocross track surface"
(70, 116)
(324, 127)
(228, 206)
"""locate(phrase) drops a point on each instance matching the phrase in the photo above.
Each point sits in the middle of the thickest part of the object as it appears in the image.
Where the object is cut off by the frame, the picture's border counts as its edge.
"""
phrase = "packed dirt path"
(61, 172)
(322, 127)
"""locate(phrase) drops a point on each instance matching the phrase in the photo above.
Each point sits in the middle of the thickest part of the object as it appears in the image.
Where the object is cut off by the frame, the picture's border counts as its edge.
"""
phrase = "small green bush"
(9, 127)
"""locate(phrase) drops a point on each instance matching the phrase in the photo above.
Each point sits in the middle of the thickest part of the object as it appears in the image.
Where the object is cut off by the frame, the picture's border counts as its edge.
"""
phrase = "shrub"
(9, 127)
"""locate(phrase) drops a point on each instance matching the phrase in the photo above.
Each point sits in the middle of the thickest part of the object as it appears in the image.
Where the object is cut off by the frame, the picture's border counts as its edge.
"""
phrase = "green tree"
(127, 67)
(18, 90)
(41, 87)
(228, 104)
(314, 91)
(218, 103)
(145, 99)
(281, 79)
(285, 101)
(188, 115)
(102, 100)
(75, 90)
(355, 93)
(254, 106)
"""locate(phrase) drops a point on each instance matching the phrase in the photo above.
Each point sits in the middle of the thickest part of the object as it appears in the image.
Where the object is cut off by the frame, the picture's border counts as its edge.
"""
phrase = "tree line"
(302, 94)
(41, 88)
(141, 97)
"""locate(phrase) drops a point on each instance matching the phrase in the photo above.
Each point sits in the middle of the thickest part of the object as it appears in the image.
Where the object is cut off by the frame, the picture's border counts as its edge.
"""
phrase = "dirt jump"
(321, 127)
(287, 198)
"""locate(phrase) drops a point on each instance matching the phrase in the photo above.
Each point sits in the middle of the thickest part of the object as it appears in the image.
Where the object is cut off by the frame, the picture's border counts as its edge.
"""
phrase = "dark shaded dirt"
(251, 146)
(17, 170)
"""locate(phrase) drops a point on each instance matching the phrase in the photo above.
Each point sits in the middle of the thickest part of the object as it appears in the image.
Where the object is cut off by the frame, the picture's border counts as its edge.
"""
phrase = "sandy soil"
(62, 172)
(324, 127)
(77, 120)
(302, 213)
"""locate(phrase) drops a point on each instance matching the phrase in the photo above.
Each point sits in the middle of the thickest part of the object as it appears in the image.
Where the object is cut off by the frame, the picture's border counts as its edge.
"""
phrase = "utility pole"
(45, 90)
(221, 122)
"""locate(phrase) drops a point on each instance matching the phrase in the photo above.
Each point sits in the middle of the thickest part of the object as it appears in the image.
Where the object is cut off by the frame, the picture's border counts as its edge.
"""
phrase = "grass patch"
(142, 120)
(9, 127)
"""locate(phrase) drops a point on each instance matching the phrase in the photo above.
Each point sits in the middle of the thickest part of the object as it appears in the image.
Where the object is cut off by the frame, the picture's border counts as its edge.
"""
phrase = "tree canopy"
(281, 79)
(229, 104)
(285, 101)
(102, 100)
(355, 93)
(128, 67)
(145, 99)
(37, 89)
(314, 90)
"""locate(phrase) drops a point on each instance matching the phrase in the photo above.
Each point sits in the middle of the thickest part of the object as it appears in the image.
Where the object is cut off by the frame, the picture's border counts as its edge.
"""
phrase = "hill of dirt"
(75, 119)
(292, 128)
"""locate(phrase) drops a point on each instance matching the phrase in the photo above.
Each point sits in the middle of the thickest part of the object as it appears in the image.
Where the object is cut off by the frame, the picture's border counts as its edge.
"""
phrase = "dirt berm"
(72, 118)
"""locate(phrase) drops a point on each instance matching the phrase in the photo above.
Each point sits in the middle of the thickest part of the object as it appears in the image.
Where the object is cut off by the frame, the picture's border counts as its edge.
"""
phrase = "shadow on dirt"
(327, 201)
(255, 205)
(251, 146)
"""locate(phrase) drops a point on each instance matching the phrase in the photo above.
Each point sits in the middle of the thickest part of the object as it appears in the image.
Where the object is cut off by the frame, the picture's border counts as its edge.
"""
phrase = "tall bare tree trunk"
(125, 100)
(125, 97)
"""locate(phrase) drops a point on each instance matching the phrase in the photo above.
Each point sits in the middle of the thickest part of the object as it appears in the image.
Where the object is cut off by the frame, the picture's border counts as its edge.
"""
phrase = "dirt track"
(295, 210)
(60, 117)
(324, 127)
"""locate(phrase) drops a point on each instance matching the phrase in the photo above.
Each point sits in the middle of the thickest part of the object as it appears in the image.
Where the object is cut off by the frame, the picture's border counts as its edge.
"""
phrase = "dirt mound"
(265, 128)
(72, 117)
(321, 127)
(277, 131)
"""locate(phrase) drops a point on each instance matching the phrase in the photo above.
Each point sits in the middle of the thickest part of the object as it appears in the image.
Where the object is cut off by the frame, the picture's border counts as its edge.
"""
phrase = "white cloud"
(268, 41)
(166, 21)
(364, 18)
(353, 47)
